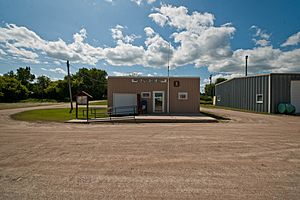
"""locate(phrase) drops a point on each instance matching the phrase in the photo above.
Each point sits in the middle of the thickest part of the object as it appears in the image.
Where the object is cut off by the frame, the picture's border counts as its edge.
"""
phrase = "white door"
(124, 103)
(295, 95)
(158, 101)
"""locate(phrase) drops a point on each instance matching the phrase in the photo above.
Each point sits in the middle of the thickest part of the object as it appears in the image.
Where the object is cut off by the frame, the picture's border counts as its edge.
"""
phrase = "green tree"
(11, 89)
(10, 74)
(39, 88)
(92, 81)
(58, 90)
(220, 80)
(209, 89)
(24, 76)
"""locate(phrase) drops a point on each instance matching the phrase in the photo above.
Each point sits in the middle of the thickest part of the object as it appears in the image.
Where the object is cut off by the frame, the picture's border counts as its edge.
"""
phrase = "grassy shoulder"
(54, 115)
(27, 103)
(22, 105)
(234, 109)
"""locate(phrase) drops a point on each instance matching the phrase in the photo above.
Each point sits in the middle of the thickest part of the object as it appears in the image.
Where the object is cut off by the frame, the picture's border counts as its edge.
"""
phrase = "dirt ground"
(253, 156)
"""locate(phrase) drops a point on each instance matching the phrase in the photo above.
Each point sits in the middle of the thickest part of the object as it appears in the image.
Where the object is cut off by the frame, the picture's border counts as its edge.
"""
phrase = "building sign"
(148, 80)
(176, 83)
(82, 100)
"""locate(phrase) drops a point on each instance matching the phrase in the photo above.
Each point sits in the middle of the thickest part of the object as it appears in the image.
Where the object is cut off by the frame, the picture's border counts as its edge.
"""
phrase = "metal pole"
(168, 106)
(211, 90)
(69, 82)
(246, 70)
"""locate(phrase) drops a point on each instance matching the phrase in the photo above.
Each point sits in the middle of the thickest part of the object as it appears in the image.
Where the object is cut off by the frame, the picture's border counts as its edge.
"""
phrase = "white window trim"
(262, 101)
(163, 102)
(142, 95)
(183, 93)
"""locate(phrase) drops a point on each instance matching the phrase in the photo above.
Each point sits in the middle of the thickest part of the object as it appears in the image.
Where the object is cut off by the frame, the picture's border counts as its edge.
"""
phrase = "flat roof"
(296, 73)
(153, 77)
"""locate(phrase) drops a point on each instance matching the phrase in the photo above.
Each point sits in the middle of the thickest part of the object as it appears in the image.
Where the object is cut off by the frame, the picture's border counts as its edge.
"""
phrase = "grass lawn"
(99, 103)
(27, 103)
(54, 115)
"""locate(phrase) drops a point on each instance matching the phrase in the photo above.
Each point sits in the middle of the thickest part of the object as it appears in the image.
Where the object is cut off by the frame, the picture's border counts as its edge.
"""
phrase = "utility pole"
(211, 90)
(168, 100)
(69, 82)
(246, 70)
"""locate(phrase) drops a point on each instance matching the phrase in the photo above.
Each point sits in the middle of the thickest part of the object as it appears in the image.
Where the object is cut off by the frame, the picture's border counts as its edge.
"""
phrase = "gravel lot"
(253, 156)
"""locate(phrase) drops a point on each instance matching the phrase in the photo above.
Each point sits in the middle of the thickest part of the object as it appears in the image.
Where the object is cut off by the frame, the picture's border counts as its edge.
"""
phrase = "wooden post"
(76, 109)
(69, 83)
(87, 111)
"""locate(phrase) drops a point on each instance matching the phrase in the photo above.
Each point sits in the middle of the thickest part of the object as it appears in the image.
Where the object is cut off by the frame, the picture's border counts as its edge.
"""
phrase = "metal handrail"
(122, 110)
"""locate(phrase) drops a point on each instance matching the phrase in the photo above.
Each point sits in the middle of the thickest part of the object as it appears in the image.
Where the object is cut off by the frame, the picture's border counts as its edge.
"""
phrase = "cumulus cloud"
(292, 40)
(196, 41)
(57, 70)
(179, 18)
(125, 55)
(20, 42)
(158, 50)
(117, 34)
(199, 40)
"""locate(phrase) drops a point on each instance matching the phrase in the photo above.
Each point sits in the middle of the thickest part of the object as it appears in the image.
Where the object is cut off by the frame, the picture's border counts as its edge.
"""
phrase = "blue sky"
(131, 36)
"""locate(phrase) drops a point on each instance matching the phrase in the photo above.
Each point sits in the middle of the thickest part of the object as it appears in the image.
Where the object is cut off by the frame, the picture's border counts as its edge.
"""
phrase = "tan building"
(151, 93)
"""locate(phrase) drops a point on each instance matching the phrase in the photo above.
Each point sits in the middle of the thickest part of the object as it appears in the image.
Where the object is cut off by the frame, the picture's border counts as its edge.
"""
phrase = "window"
(182, 95)
(259, 98)
(146, 95)
(219, 98)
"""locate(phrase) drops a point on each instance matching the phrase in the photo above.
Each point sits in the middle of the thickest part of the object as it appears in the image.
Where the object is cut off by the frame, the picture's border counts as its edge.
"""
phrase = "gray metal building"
(261, 93)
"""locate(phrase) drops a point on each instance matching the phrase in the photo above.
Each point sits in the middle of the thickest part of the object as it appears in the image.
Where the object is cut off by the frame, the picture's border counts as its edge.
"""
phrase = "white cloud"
(124, 55)
(159, 18)
(179, 18)
(22, 53)
(197, 41)
(226, 76)
(56, 62)
(57, 70)
(261, 60)
(127, 74)
(2, 52)
(292, 40)
(262, 42)
(117, 34)
(261, 37)
(158, 50)
(139, 2)
(21, 37)
(22, 43)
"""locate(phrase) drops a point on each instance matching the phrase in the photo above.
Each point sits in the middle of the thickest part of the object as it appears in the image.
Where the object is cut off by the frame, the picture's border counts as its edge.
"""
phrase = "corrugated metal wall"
(281, 89)
(241, 93)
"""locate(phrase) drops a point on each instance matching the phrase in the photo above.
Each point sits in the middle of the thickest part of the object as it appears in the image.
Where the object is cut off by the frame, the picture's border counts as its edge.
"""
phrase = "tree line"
(22, 84)
(209, 92)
